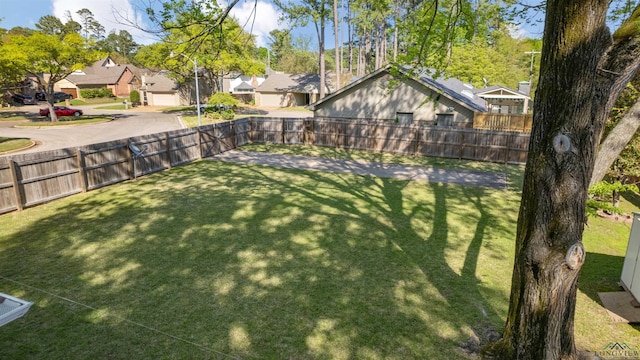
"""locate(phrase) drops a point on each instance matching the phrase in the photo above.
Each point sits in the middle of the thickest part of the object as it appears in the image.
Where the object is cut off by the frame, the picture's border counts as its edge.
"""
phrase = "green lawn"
(192, 120)
(11, 144)
(67, 120)
(218, 260)
(78, 102)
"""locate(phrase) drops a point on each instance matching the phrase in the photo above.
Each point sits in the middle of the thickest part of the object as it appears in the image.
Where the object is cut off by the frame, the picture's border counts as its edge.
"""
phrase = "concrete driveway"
(126, 124)
(368, 168)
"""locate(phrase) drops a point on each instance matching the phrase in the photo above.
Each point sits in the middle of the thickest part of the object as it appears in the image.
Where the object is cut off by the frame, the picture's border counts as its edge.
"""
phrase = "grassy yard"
(218, 260)
(68, 120)
(11, 144)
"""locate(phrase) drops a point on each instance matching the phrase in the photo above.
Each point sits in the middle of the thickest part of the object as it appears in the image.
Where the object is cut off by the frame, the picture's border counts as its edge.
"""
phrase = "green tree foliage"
(153, 56)
(120, 45)
(50, 25)
(295, 56)
(91, 28)
(46, 58)
(281, 45)
(316, 12)
(226, 48)
(20, 31)
(221, 99)
(626, 167)
(611, 189)
(498, 60)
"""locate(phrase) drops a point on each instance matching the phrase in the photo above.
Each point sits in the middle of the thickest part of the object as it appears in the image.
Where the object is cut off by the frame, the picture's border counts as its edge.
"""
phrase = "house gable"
(501, 99)
(382, 96)
(499, 92)
(120, 78)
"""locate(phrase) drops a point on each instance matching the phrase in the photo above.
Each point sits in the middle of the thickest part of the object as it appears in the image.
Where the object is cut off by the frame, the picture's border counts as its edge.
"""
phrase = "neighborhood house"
(406, 98)
(120, 78)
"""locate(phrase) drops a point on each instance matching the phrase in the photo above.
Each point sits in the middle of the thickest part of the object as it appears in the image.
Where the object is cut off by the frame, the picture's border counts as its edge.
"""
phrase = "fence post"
(461, 145)
(132, 165)
(308, 131)
(199, 135)
(82, 175)
(509, 142)
(416, 128)
(168, 150)
(16, 185)
(284, 122)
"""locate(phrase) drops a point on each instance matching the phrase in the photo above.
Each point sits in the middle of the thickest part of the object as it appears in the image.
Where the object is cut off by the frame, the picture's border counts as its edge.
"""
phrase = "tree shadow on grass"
(632, 197)
(255, 262)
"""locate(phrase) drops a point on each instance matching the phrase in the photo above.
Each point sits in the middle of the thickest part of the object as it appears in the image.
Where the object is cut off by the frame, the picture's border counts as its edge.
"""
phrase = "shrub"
(96, 93)
(604, 188)
(594, 205)
(221, 99)
(212, 115)
(227, 114)
(134, 96)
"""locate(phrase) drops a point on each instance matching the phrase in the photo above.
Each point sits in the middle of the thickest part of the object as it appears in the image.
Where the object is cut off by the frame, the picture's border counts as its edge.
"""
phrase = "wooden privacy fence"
(503, 122)
(32, 179)
(459, 143)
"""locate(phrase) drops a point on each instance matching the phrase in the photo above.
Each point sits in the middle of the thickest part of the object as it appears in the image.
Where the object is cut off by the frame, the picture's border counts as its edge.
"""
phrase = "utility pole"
(531, 69)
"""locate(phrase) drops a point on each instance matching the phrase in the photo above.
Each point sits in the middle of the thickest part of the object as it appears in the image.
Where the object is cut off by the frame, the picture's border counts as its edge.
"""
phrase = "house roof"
(500, 92)
(102, 72)
(243, 86)
(452, 88)
(160, 83)
(301, 83)
(457, 90)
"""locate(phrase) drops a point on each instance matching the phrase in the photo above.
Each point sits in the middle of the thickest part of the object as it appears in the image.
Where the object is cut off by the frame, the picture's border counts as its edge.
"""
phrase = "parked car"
(61, 111)
(20, 99)
(57, 96)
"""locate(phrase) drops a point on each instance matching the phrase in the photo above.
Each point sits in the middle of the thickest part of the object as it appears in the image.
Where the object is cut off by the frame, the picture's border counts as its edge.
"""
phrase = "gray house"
(283, 90)
(403, 98)
(160, 90)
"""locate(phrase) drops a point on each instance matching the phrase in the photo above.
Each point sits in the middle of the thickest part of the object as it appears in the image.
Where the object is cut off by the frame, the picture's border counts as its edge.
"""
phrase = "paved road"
(385, 170)
(128, 123)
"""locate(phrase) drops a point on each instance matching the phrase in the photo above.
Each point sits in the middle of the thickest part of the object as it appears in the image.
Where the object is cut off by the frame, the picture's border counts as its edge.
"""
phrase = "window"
(404, 118)
(444, 120)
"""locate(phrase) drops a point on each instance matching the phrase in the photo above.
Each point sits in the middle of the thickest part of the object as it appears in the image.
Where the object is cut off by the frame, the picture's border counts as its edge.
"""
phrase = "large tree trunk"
(615, 142)
(582, 73)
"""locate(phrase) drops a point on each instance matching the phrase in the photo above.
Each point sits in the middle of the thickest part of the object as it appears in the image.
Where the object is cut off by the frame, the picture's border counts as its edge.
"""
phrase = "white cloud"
(262, 16)
(517, 31)
(108, 13)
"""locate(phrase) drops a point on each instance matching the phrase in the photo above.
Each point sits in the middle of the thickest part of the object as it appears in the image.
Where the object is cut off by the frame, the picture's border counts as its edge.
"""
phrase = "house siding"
(382, 97)
(278, 99)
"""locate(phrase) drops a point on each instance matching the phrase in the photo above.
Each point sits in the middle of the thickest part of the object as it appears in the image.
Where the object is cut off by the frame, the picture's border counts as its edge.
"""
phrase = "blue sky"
(26, 13)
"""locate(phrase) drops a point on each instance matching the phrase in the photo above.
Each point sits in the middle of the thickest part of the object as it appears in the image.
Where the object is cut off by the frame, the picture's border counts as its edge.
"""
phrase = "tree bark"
(582, 73)
(320, 30)
(615, 142)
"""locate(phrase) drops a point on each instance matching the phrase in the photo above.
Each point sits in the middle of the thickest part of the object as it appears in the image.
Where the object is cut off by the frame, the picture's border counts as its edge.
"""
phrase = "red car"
(61, 111)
